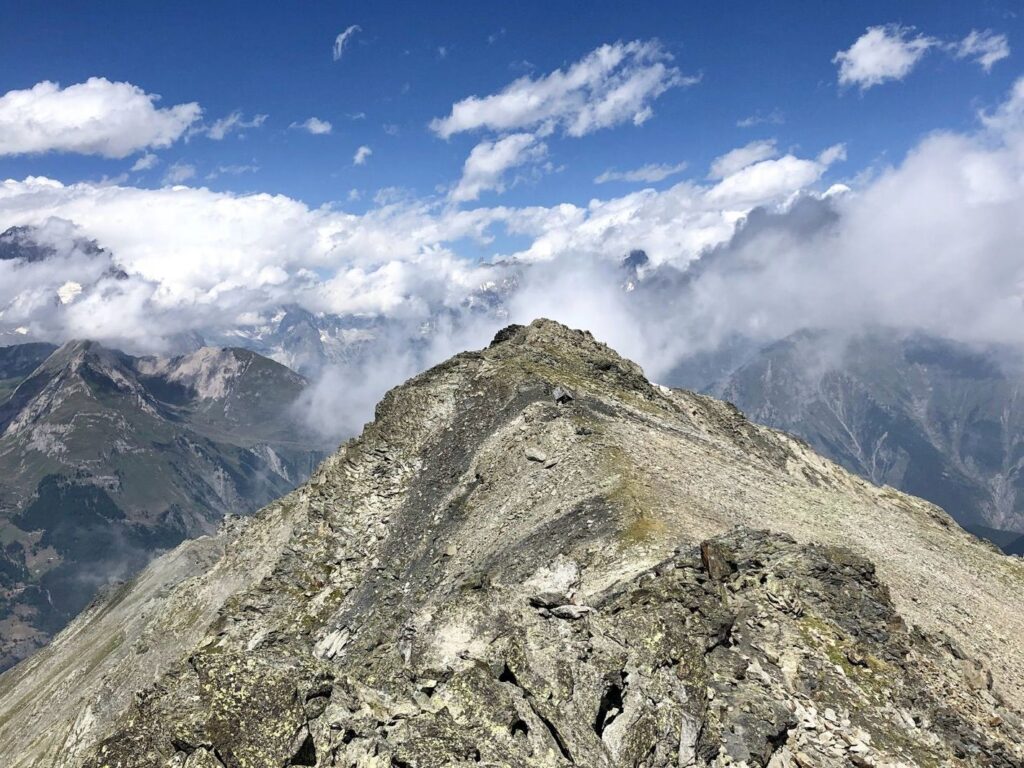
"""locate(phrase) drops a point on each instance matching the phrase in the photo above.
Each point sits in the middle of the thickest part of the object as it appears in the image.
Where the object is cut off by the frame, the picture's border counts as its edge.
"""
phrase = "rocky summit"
(535, 557)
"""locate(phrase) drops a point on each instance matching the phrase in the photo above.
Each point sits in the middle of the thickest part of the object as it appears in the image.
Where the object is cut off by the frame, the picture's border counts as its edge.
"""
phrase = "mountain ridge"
(440, 587)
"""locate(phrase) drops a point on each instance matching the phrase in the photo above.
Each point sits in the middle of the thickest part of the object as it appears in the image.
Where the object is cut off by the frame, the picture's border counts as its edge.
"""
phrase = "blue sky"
(409, 63)
(531, 145)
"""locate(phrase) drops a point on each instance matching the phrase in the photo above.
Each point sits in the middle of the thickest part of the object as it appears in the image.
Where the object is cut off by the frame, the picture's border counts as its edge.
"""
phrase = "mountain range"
(535, 557)
(106, 459)
(937, 419)
(927, 415)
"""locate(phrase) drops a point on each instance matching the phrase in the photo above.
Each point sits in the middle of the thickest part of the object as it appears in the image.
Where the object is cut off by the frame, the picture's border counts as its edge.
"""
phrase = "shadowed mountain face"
(106, 459)
(535, 557)
(17, 362)
(930, 417)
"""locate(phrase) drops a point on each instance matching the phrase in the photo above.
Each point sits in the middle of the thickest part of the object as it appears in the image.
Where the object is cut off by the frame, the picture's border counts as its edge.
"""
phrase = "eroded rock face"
(796, 657)
(437, 596)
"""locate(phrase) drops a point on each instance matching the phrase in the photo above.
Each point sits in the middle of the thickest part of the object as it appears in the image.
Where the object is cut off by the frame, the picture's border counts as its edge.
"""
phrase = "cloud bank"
(758, 250)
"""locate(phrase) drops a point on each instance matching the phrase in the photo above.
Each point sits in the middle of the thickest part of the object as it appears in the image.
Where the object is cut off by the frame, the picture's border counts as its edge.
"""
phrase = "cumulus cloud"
(770, 179)
(649, 173)
(488, 162)
(882, 53)
(613, 84)
(97, 117)
(342, 40)
(231, 123)
(741, 157)
(315, 126)
(892, 51)
(362, 155)
(928, 245)
(986, 48)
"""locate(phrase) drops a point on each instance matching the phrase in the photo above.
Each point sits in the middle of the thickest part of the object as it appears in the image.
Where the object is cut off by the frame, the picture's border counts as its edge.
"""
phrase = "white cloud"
(834, 154)
(610, 85)
(890, 53)
(362, 155)
(199, 259)
(179, 173)
(882, 53)
(315, 126)
(649, 173)
(96, 117)
(1009, 116)
(145, 162)
(769, 179)
(931, 243)
(986, 48)
(233, 122)
(488, 162)
(739, 158)
(342, 39)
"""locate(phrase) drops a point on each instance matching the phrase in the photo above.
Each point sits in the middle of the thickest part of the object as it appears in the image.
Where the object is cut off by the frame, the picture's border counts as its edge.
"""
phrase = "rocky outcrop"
(495, 574)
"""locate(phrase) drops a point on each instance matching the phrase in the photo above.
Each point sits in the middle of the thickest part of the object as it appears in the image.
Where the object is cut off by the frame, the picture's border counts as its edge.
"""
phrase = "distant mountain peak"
(31, 244)
(106, 458)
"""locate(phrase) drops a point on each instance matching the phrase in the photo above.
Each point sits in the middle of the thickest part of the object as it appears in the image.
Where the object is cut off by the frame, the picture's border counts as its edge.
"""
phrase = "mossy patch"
(635, 500)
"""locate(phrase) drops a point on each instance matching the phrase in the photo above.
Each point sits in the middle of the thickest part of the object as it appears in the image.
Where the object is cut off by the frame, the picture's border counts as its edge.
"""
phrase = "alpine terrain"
(931, 417)
(106, 459)
(535, 557)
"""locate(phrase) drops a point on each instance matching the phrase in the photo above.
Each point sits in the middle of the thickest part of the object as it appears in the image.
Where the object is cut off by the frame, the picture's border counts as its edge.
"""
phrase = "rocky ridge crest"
(535, 557)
